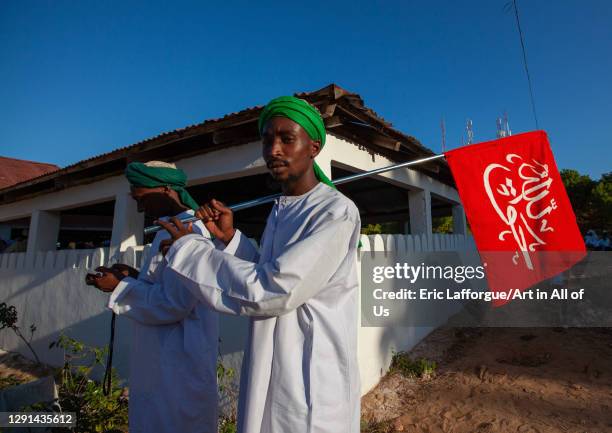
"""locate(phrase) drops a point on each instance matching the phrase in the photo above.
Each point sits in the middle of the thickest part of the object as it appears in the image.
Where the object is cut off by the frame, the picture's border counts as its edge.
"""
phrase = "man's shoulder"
(336, 203)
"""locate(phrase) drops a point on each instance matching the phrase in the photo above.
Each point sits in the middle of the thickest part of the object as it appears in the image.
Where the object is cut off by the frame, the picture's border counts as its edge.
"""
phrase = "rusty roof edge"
(385, 127)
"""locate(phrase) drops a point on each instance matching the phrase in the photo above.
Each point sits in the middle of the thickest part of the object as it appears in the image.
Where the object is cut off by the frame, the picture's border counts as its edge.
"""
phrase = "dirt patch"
(521, 380)
(16, 369)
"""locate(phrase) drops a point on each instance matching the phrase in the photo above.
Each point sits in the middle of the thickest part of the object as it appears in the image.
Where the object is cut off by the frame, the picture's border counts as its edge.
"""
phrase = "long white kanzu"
(339, 181)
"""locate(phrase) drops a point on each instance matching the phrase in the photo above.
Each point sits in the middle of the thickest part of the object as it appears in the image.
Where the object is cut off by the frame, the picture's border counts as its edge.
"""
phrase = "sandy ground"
(488, 380)
(521, 380)
(15, 369)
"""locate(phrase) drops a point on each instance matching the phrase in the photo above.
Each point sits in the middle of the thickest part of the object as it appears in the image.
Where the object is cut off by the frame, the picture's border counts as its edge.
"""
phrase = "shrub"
(408, 367)
(227, 391)
(375, 426)
(8, 319)
(79, 393)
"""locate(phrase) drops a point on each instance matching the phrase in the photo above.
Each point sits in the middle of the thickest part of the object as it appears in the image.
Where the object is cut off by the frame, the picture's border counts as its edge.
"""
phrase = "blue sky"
(79, 78)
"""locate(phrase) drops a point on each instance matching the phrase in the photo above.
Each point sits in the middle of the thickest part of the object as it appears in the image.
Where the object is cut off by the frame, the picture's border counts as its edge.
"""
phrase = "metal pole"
(340, 181)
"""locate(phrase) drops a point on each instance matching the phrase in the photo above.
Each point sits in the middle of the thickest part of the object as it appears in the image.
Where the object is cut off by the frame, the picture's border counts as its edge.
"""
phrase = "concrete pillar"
(44, 231)
(459, 222)
(419, 203)
(128, 224)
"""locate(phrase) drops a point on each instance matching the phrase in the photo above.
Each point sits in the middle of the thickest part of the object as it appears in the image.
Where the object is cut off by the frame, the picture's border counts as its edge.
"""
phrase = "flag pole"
(342, 180)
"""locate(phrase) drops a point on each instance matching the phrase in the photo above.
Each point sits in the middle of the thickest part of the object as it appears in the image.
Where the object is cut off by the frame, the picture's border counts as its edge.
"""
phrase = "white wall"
(377, 344)
(50, 293)
(347, 155)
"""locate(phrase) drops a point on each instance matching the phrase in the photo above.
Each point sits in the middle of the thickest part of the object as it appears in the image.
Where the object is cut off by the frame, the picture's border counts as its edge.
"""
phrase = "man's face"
(287, 149)
(152, 201)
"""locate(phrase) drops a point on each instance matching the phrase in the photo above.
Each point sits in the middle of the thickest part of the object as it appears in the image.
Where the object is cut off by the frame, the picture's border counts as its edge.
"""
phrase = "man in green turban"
(162, 185)
(174, 339)
(300, 289)
(306, 117)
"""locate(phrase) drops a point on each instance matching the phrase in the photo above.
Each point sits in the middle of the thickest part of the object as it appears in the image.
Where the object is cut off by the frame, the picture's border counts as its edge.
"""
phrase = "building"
(14, 171)
(89, 202)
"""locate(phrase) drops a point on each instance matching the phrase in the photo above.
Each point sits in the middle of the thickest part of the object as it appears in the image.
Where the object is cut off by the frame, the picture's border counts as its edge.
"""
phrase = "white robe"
(300, 372)
(173, 351)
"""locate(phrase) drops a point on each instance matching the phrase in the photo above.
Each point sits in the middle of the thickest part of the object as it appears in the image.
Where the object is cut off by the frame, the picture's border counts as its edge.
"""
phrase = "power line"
(518, 24)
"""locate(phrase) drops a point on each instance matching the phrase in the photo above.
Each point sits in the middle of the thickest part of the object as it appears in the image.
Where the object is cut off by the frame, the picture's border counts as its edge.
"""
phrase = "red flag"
(518, 210)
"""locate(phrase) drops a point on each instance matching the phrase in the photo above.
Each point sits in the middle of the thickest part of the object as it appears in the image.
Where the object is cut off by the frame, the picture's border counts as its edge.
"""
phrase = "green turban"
(141, 175)
(305, 115)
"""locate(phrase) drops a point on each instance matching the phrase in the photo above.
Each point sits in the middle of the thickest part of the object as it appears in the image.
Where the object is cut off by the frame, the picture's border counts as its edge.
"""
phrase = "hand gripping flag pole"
(339, 181)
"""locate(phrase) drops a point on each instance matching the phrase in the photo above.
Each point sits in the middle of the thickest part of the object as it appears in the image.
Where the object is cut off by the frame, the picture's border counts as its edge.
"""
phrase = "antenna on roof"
(503, 127)
(469, 131)
(443, 128)
(506, 125)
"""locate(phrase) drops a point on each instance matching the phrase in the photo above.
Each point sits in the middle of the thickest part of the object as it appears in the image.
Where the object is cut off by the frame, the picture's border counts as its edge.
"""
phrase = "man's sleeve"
(240, 246)
(263, 289)
(150, 303)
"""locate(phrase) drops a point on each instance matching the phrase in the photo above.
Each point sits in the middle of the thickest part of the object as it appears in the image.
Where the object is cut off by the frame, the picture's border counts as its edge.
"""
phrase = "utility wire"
(518, 24)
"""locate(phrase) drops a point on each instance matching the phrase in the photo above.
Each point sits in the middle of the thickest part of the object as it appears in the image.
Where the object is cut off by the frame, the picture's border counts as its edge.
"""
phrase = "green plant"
(408, 367)
(8, 319)
(9, 381)
(224, 376)
(371, 229)
(78, 392)
(591, 199)
(227, 391)
(389, 227)
(375, 426)
(227, 425)
(443, 224)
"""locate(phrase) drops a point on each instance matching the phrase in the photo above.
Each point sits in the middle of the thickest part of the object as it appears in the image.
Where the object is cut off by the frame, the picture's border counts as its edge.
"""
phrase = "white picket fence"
(414, 243)
(69, 259)
(48, 290)
(90, 259)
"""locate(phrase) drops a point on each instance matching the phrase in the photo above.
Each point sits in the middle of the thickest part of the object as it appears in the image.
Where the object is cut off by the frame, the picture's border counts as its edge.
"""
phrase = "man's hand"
(218, 219)
(105, 279)
(176, 230)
